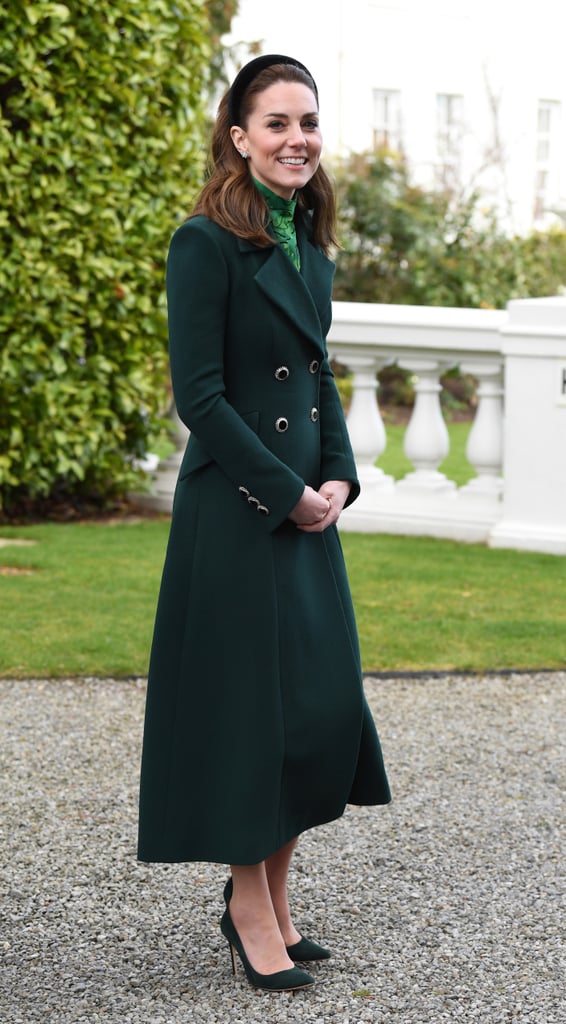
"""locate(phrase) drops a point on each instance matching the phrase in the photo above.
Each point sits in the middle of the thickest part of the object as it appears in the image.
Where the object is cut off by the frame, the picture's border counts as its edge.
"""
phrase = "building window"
(449, 139)
(547, 148)
(387, 119)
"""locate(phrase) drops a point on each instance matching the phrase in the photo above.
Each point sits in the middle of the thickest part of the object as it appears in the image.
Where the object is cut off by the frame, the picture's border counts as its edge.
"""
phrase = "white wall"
(425, 47)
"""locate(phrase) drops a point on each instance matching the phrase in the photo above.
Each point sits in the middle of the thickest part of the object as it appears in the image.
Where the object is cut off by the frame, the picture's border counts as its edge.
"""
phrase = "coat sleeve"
(337, 459)
(198, 287)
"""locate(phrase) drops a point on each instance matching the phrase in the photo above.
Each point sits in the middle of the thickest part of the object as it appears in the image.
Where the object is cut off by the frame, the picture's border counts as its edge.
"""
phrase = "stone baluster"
(365, 425)
(484, 449)
(164, 479)
(426, 441)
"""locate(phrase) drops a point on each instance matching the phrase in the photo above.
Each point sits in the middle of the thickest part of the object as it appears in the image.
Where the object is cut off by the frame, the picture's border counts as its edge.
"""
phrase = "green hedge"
(102, 112)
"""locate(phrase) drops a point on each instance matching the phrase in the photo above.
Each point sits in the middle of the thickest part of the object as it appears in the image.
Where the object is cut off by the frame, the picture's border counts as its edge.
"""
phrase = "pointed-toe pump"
(304, 950)
(281, 981)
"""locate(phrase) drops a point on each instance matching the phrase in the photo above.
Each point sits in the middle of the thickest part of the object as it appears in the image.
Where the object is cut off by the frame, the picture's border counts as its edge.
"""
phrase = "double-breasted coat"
(256, 724)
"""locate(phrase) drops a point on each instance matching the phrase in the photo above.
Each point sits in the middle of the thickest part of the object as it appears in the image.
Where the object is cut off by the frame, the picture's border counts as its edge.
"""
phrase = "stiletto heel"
(234, 965)
(282, 981)
(304, 950)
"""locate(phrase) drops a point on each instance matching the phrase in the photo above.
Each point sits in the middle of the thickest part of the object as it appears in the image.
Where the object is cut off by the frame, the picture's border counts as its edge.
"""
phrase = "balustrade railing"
(516, 444)
(509, 352)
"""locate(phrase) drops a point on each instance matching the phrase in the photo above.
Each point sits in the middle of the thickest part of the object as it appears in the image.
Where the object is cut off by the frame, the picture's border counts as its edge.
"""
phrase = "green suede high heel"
(305, 950)
(281, 981)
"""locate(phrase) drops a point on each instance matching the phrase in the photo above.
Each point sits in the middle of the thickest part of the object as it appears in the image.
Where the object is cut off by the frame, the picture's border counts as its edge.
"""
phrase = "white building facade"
(473, 93)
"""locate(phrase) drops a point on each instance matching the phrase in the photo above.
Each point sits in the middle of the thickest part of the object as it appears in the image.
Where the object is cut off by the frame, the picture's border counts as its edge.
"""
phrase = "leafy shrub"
(102, 108)
(404, 244)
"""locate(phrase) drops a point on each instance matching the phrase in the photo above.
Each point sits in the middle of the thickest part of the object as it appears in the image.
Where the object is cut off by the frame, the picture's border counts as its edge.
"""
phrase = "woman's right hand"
(311, 509)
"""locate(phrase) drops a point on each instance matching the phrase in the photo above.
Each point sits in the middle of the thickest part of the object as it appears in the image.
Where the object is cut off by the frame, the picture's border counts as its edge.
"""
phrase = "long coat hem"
(206, 856)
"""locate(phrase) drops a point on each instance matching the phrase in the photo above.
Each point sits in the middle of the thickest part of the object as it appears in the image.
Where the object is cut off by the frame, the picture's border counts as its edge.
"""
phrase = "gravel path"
(446, 906)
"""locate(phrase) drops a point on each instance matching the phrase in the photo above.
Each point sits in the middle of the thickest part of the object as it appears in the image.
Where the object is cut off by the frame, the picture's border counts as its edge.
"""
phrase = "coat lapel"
(318, 273)
(303, 298)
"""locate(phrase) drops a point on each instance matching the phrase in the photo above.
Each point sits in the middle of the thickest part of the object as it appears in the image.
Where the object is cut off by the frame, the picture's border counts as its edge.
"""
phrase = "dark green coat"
(256, 724)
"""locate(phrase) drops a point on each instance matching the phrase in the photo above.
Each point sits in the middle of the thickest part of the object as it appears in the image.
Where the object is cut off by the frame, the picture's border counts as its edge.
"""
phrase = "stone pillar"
(534, 451)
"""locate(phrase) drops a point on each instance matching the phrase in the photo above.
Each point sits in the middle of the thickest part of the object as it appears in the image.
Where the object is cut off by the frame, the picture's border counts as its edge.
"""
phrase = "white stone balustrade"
(518, 357)
(164, 478)
(516, 444)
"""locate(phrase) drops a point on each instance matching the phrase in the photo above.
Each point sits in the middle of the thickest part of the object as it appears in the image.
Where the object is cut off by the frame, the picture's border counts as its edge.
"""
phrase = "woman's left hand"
(336, 493)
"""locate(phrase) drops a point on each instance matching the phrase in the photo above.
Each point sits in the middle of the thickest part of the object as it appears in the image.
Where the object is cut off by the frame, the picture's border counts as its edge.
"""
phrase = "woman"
(256, 724)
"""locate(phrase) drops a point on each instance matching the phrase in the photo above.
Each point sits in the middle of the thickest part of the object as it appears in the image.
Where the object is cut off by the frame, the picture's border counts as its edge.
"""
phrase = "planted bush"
(405, 244)
(102, 110)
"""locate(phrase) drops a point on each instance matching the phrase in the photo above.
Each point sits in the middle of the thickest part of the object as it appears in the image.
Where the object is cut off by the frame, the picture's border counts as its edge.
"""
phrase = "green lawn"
(431, 604)
(87, 607)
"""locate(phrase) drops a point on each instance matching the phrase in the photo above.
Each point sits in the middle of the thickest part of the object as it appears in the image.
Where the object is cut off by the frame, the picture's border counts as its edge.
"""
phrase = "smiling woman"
(282, 141)
(288, 130)
(257, 726)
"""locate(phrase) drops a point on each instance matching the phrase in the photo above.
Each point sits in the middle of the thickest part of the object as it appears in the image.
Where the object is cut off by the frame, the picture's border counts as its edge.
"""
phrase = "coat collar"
(303, 297)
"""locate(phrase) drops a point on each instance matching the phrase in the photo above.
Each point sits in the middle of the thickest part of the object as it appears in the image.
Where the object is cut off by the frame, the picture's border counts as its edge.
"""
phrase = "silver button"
(313, 366)
(244, 492)
(281, 425)
(314, 414)
(253, 501)
(282, 372)
(263, 509)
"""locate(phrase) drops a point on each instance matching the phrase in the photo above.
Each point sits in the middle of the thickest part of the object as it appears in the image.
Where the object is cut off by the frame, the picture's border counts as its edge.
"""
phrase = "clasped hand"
(317, 510)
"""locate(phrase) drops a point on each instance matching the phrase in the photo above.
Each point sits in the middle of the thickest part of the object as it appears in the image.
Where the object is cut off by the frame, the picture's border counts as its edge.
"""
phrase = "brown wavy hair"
(230, 197)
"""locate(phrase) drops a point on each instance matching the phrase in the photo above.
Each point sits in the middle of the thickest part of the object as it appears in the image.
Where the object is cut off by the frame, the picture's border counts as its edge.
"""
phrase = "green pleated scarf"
(282, 215)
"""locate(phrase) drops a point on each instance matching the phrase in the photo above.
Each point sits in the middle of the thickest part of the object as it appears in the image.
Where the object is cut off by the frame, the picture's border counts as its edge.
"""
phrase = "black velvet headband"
(250, 71)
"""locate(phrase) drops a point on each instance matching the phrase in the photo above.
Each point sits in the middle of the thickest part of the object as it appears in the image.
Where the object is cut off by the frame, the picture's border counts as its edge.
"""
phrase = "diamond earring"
(244, 154)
